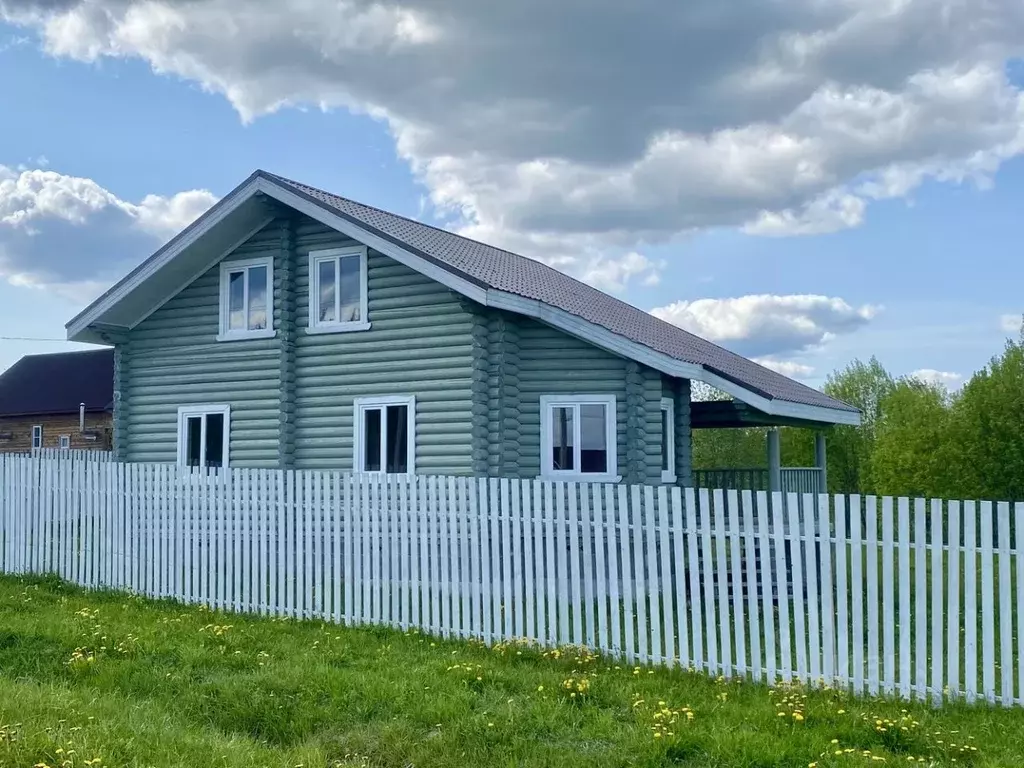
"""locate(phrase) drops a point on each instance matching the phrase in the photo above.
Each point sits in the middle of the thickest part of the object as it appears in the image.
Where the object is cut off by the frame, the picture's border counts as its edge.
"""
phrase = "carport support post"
(774, 461)
(821, 461)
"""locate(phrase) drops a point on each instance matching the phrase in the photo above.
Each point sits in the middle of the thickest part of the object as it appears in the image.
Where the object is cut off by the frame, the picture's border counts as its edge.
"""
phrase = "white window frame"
(362, 404)
(547, 470)
(668, 407)
(37, 437)
(314, 325)
(64, 442)
(187, 411)
(226, 268)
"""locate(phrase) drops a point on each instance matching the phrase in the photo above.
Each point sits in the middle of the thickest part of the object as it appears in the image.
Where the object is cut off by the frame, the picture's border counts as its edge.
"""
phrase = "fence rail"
(877, 595)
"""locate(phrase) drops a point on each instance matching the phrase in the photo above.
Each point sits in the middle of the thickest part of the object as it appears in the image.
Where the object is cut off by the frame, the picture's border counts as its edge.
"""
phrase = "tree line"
(915, 439)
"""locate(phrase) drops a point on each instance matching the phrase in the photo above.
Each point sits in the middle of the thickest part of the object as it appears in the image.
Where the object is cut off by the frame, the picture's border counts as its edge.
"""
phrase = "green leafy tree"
(864, 385)
(729, 448)
(986, 435)
(910, 453)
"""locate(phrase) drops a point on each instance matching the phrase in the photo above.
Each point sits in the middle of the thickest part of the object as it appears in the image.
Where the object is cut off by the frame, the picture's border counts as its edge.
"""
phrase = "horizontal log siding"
(553, 363)
(420, 343)
(173, 359)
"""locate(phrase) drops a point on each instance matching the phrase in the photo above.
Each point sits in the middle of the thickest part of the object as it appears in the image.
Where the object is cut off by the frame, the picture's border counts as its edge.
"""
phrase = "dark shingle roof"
(502, 270)
(39, 385)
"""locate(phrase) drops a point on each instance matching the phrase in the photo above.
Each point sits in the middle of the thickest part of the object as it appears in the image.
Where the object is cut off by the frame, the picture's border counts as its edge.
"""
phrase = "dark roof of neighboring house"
(39, 385)
(502, 270)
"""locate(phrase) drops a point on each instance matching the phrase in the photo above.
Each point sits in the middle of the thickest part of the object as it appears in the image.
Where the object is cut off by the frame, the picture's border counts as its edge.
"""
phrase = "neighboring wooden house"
(289, 327)
(41, 397)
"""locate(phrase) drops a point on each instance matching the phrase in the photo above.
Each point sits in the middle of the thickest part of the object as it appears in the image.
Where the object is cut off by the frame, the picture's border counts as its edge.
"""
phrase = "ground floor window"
(668, 440)
(385, 435)
(65, 442)
(203, 432)
(37, 437)
(578, 436)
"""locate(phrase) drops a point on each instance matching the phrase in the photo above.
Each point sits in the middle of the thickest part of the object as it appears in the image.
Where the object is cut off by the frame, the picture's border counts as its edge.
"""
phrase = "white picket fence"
(68, 454)
(889, 596)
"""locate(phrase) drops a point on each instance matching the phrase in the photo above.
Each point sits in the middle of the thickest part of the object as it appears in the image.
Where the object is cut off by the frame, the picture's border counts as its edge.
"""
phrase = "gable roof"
(40, 385)
(496, 278)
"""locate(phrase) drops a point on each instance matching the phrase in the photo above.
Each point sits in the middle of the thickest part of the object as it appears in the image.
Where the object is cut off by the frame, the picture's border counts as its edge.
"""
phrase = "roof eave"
(79, 327)
(612, 342)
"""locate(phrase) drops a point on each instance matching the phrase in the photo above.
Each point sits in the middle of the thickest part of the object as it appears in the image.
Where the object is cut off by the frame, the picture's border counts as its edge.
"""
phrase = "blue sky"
(870, 204)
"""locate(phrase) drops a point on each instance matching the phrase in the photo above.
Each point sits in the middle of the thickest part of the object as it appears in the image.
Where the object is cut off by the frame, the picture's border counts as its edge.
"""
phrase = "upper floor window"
(668, 440)
(578, 437)
(203, 435)
(247, 299)
(337, 290)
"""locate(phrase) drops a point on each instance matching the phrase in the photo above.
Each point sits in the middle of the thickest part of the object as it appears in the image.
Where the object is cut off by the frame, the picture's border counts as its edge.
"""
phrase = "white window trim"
(359, 406)
(185, 411)
(668, 406)
(226, 268)
(314, 326)
(547, 470)
(37, 437)
(64, 442)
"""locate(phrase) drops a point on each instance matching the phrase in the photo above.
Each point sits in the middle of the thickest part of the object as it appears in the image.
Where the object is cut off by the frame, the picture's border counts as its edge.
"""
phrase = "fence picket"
(639, 626)
(722, 578)
(516, 573)
(693, 560)
(653, 584)
(666, 579)
(782, 581)
(828, 616)
(811, 566)
(921, 602)
(625, 537)
(888, 593)
(937, 544)
(1019, 547)
(856, 593)
(573, 506)
(1005, 607)
(953, 637)
(761, 574)
(970, 604)
(842, 604)
(709, 581)
(988, 656)
(799, 600)
(600, 565)
(614, 581)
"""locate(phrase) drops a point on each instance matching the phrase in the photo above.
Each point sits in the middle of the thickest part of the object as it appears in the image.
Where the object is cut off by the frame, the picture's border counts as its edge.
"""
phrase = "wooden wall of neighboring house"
(20, 430)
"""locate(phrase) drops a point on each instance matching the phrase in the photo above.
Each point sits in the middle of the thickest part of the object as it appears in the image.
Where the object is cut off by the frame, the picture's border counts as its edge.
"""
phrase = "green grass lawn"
(112, 680)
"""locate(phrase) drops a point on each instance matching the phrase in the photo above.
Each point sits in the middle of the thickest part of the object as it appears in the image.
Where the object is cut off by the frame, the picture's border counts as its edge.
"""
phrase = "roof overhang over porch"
(733, 414)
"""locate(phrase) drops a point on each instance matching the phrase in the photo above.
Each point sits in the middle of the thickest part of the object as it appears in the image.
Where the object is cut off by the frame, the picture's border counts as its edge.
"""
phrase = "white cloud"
(946, 379)
(781, 118)
(789, 368)
(612, 274)
(765, 326)
(72, 235)
(1011, 323)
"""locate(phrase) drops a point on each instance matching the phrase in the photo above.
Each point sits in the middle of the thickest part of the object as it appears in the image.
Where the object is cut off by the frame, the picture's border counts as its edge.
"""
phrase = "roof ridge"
(411, 220)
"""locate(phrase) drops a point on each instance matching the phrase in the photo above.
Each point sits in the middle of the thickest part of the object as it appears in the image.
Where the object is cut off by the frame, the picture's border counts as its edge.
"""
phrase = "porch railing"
(794, 479)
